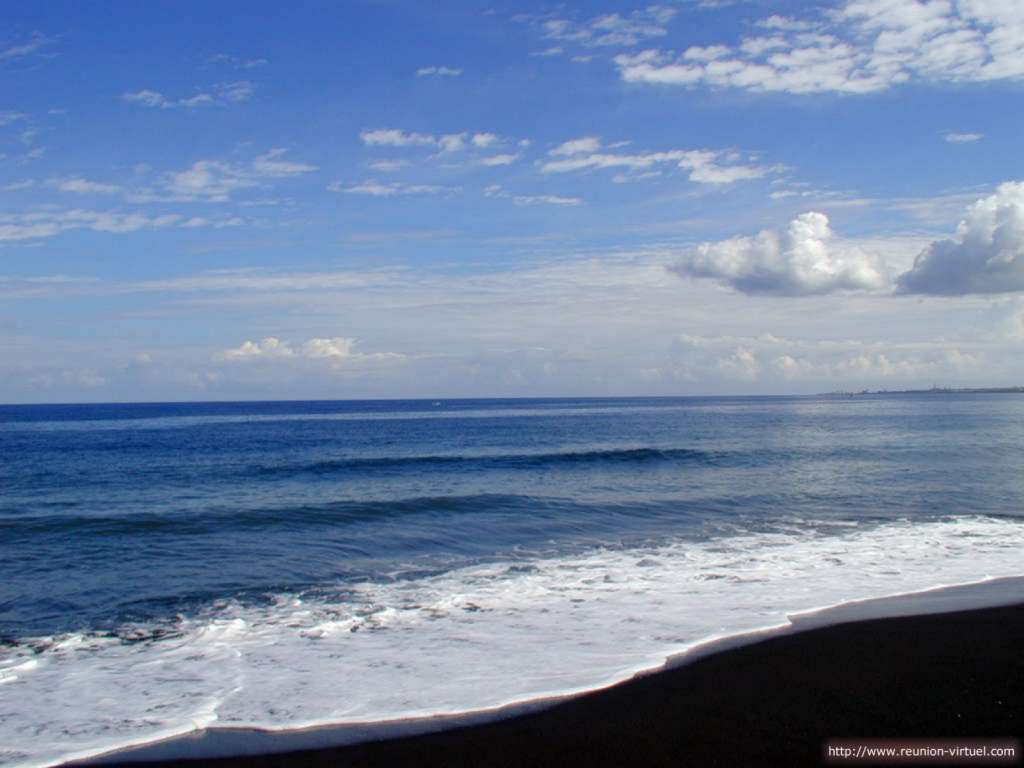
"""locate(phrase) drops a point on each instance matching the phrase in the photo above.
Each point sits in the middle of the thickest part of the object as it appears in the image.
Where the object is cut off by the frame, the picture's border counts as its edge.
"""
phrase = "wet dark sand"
(770, 703)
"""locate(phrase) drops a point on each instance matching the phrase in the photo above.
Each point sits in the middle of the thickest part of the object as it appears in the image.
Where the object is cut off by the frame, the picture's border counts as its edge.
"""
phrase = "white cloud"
(438, 72)
(863, 46)
(493, 160)
(447, 143)
(197, 222)
(962, 138)
(334, 350)
(452, 142)
(484, 140)
(392, 137)
(985, 256)
(785, 23)
(28, 226)
(619, 313)
(847, 363)
(269, 347)
(237, 62)
(147, 98)
(6, 118)
(545, 200)
(704, 166)
(496, 190)
(236, 92)
(24, 49)
(800, 261)
(612, 29)
(17, 186)
(388, 166)
(223, 93)
(83, 186)
(584, 144)
(381, 189)
(271, 165)
(338, 346)
(741, 364)
(215, 181)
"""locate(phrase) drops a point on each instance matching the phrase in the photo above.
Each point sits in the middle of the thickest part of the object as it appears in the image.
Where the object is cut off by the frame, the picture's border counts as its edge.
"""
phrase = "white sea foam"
(469, 639)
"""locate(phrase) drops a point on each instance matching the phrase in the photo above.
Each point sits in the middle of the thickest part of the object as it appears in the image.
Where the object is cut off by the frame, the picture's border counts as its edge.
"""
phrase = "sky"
(383, 199)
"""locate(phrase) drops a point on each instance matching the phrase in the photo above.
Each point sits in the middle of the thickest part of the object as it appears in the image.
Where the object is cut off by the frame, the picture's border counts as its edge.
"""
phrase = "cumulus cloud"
(269, 347)
(438, 72)
(842, 362)
(799, 261)
(336, 349)
(705, 166)
(985, 256)
(863, 46)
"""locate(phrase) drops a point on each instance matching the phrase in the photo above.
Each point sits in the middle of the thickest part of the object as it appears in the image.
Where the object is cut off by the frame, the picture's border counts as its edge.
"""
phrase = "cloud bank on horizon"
(531, 200)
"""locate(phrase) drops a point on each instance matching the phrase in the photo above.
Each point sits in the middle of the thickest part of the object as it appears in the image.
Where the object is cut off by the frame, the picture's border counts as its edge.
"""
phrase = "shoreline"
(457, 734)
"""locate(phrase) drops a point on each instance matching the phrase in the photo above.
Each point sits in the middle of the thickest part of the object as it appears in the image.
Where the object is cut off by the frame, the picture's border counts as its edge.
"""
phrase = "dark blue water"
(169, 566)
(115, 513)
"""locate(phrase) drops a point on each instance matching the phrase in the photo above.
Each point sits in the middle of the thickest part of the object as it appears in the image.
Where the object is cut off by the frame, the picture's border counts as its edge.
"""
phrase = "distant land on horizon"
(936, 391)
(440, 400)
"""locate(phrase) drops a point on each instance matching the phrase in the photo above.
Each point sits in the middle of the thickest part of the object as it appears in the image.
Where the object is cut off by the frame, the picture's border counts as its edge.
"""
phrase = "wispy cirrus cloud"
(221, 94)
(215, 181)
(22, 50)
(393, 189)
(611, 29)
(962, 138)
(705, 166)
(496, 190)
(78, 185)
(495, 160)
(438, 71)
(41, 224)
(238, 62)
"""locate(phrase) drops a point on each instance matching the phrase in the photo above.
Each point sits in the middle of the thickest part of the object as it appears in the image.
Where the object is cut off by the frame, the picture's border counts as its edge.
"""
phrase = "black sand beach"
(774, 702)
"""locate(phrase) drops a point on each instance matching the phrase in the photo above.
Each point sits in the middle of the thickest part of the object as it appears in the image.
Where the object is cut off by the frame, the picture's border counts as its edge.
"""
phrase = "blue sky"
(383, 199)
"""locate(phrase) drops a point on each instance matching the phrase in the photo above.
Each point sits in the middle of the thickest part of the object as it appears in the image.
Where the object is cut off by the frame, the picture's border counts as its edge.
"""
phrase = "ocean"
(168, 567)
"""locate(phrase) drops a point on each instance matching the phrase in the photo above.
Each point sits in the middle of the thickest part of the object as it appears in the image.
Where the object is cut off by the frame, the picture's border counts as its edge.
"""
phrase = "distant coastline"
(934, 391)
